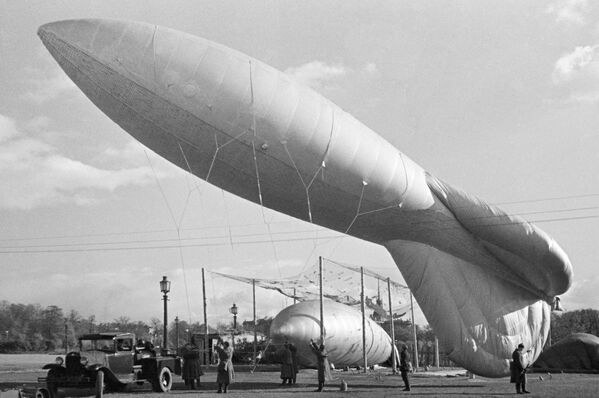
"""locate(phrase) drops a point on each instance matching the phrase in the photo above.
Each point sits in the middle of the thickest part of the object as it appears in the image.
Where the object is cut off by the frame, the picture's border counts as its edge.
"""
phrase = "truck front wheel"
(164, 381)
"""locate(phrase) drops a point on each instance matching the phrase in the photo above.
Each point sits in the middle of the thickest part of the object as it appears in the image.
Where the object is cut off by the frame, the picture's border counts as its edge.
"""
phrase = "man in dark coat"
(284, 356)
(404, 366)
(191, 365)
(294, 360)
(518, 370)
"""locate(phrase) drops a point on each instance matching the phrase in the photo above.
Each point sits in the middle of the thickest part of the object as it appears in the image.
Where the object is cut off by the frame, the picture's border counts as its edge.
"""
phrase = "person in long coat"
(321, 362)
(404, 366)
(518, 370)
(284, 356)
(294, 361)
(225, 371)
(191, 365)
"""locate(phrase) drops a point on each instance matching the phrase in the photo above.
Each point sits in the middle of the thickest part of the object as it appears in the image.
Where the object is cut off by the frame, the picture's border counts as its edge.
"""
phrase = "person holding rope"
(321, 362)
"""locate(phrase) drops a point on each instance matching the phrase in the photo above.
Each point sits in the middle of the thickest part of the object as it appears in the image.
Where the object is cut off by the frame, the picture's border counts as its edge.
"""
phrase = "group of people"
(287, 356)
(518, 367)
(192, 369)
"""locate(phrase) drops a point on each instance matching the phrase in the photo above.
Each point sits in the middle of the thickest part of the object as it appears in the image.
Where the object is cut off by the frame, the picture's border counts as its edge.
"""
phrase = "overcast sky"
(499, 98)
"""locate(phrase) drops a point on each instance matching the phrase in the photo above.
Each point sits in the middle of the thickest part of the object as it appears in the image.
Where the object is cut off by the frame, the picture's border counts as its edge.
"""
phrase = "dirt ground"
(374, 384)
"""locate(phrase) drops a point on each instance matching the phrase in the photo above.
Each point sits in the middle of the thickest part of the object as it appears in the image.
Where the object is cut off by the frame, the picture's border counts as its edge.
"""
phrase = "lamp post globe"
(233, 310)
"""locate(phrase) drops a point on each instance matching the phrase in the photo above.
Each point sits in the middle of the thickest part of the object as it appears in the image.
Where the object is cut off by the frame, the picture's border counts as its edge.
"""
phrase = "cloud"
(45, 85)
(569, 11)
(317, 74)
(577, 73)
(33, 173)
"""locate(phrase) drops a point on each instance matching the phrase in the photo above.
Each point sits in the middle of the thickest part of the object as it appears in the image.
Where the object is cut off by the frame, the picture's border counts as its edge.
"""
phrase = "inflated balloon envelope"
(482, 278)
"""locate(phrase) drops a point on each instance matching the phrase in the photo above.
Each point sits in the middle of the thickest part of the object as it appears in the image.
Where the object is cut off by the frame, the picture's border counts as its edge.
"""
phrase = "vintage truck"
(110, 362)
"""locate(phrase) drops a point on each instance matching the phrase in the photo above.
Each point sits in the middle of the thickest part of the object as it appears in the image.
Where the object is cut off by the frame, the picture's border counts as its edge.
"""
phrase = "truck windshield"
(106, 345)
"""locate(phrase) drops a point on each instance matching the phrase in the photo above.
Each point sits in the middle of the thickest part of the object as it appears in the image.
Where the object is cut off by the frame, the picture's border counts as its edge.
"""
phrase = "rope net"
(341, 283)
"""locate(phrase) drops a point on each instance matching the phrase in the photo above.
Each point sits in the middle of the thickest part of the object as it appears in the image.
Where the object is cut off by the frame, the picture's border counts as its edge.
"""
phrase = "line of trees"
(33, 328)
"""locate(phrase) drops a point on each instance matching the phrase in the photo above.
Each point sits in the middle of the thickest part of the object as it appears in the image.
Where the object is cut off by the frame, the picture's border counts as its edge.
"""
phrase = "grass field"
(374, 384)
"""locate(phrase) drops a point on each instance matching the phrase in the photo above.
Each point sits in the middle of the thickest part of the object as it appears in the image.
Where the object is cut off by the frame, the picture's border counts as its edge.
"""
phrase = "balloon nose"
(77, 33)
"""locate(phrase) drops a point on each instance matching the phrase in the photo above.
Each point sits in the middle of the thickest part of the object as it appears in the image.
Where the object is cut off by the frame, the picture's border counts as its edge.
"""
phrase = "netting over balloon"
(341, 283)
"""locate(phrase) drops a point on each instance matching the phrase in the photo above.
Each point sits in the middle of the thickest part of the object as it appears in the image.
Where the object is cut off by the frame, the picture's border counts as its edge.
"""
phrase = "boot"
(192, 384)
(524, 389)
(220, 389)
(225, 390)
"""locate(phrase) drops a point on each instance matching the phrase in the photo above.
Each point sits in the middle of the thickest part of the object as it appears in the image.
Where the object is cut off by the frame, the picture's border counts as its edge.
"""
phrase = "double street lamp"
(165, 287)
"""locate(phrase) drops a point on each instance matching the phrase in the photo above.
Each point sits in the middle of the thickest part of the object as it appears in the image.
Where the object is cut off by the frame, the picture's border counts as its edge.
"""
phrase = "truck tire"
(42, 393)
(164, 380)
(99, 384)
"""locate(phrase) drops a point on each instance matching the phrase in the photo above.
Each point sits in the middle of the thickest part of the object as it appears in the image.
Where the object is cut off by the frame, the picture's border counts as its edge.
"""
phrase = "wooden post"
(365, 360)
(321, 304)
(436, 352)
(255, 333)
(394, 360)
(414, 331)
(206, 354)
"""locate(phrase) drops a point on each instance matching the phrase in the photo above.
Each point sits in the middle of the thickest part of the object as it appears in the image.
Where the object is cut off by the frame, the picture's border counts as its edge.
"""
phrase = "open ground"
(17, 370)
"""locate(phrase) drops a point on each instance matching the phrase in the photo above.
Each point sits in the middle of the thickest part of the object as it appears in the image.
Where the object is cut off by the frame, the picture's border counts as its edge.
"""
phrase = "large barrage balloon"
(482, 278)
(300, 322)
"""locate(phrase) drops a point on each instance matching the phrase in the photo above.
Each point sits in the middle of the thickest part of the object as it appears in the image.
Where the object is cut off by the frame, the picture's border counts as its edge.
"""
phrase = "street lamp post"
(177, 335)
(233, 310)
(165, 287)
(66, 344)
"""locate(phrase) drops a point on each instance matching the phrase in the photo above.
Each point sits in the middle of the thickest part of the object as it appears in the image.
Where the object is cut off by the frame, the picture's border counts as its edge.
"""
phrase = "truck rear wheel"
(99, 384)
(164, 380)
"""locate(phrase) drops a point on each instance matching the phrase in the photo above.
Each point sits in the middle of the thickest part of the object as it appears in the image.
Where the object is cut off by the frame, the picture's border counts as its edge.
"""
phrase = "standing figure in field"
(294, 361)
(404, 366)
(225, 371)
(284, 356)
(191, 365)
(518, 370)
(321, 361)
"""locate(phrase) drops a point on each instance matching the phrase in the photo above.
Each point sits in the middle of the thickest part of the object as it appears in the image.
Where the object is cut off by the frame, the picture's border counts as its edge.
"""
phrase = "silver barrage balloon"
(483, 278)
(299, 323)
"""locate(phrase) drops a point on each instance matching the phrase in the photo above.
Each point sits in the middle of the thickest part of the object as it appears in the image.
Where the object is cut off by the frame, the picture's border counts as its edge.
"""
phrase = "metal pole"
(66, 343)
(321, 305)
(255, 333)
(414, 330)
(205, 350)
(294, 300)
(394, 360)
(165, 331)
(364, 359)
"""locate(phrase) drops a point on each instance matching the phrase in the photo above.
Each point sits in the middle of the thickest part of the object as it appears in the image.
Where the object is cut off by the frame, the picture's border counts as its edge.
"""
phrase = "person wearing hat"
(518, 370)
